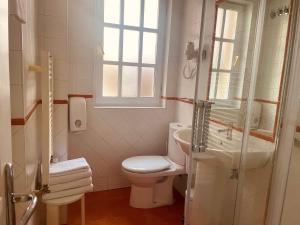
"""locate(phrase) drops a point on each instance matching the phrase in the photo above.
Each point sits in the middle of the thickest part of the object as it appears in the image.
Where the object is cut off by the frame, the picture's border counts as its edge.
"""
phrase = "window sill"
(128, 103)
(128, 107)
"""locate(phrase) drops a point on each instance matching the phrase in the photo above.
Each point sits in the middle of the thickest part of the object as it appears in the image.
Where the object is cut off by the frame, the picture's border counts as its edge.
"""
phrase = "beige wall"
(24, 96)
(190, 31)
(189, 25)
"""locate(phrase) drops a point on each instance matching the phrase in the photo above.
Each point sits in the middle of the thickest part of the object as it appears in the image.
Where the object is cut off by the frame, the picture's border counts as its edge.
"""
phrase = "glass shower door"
(218, 126)
(235, 116)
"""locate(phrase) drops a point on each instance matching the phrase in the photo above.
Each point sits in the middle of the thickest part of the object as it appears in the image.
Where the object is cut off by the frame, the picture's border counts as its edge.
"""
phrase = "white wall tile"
(15, 34)
(60, 89)
(17, 102)
(54, 27)
(24, 94)
(15, 67)
(54, 8)
(60, 129)
(57, 46)
(61, 70)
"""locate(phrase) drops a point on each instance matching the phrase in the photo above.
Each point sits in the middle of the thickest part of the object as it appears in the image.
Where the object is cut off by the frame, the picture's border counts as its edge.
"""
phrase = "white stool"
(53, 208)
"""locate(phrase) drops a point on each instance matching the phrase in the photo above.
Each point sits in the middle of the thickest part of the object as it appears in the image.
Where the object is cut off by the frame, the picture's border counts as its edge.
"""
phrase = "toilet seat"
(151, 185)
(146, 164)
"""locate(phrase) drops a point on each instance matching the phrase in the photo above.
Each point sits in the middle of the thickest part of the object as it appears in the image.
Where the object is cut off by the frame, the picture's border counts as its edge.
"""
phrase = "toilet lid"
(146, 164)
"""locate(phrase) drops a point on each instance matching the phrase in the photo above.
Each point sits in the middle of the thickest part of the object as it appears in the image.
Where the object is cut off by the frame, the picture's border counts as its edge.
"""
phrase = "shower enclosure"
(241, 79)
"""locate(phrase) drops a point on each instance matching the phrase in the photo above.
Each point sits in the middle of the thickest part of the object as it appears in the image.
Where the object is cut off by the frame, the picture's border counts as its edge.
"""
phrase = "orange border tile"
(23, 121)
(80, 95)
(185, 100)
(60, 102)
(18, 121)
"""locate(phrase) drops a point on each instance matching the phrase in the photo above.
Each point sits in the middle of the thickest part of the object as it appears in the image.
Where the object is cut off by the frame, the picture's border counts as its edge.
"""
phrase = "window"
(131, 33)
(223, 55)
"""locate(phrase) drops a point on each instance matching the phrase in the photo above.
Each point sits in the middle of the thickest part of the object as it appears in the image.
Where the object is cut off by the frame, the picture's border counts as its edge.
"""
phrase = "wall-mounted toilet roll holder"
(13, 198)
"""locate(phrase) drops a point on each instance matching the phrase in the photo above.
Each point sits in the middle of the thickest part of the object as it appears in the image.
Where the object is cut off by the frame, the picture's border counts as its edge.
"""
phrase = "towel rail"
(47, 114)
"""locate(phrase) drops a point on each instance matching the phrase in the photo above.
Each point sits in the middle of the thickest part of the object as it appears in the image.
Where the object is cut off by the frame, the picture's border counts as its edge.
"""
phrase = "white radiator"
(47, 113)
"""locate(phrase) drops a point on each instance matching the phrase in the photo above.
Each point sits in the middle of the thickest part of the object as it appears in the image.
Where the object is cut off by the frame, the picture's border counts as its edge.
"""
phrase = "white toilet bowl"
(152, 180)
(152, 177)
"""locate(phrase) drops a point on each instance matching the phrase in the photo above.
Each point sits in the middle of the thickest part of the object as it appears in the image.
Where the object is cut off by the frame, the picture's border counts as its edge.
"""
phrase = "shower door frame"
(202, 81)
(287, 130)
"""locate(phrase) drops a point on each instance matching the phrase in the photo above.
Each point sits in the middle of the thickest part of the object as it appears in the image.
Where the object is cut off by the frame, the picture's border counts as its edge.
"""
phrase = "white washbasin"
(254, 158)
(183, 138)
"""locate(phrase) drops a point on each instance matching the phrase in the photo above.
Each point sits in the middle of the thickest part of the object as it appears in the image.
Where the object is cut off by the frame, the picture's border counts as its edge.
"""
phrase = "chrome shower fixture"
(201, 125)
(285, 10)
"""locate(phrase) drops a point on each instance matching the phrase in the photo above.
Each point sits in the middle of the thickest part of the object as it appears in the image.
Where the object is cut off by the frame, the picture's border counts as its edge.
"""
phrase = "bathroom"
(169, 132)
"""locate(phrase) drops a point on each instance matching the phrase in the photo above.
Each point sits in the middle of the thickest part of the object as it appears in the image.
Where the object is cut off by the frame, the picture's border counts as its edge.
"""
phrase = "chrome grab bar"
(13, 198)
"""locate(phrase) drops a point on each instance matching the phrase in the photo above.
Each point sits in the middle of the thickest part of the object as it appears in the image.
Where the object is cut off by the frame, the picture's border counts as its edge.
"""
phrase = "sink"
(183, 138)
(254, 158)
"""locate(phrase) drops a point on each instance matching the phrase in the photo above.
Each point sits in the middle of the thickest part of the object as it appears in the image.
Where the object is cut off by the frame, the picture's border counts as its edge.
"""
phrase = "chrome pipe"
(9, 189)
(32, 198)
(13, 198)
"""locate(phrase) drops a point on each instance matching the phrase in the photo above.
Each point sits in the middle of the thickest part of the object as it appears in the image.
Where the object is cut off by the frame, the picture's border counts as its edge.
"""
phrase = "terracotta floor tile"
(112, 208)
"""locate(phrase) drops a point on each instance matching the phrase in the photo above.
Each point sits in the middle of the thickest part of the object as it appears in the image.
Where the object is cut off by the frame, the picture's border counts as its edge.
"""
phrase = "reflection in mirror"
(232, 35)
(232, 65)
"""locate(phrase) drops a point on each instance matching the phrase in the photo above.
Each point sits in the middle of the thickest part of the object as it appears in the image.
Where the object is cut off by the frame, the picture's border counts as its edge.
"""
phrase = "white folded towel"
(69, 185)
(70, 192)
(68, 167)
(69, 177)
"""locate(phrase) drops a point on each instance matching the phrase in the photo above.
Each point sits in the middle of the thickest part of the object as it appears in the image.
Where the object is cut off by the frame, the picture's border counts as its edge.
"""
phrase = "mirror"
(231, 65)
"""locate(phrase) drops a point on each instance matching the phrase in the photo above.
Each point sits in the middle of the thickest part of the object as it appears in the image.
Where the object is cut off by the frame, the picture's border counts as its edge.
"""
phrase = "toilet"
(152, 176)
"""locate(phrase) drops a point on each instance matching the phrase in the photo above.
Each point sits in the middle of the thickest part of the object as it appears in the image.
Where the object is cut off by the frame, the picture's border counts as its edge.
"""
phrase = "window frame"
(119, 101)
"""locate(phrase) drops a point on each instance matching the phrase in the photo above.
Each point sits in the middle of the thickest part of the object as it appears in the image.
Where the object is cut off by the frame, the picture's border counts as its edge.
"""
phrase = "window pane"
(212, 85)
(151, 13)
(147, 82)
(111, 44)
(129, 81)
(216, 54)
(132, 11)
(130, 46)
(223, 85)
(230, 24)
(226, 56)
(149, 47)
(219, 22)
(112, 11)
(110, 81)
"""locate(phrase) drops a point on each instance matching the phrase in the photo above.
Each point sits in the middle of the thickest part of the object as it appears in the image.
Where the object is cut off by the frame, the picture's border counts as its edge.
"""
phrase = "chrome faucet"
(227, 130)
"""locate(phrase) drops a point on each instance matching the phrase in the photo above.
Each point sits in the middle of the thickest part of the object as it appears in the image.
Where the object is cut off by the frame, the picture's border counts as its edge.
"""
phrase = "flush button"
(78, 123)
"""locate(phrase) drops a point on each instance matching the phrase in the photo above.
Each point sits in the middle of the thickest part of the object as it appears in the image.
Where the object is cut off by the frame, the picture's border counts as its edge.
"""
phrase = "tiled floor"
(111, 208)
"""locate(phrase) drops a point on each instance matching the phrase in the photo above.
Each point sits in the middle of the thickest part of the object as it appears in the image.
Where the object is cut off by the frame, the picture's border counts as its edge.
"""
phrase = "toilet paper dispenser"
(77, 114)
